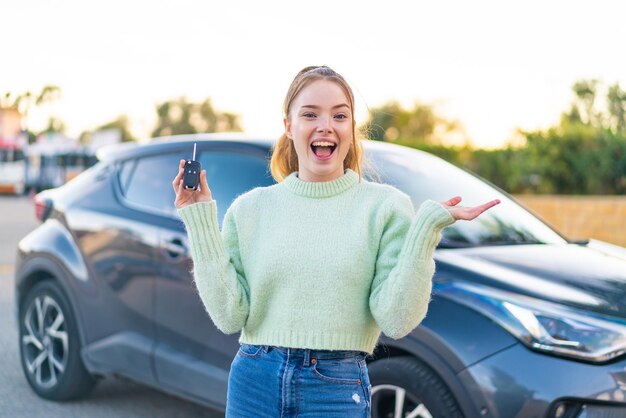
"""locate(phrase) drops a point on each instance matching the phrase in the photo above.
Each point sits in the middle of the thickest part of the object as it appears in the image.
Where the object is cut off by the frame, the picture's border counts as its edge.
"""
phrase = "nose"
(325, 125)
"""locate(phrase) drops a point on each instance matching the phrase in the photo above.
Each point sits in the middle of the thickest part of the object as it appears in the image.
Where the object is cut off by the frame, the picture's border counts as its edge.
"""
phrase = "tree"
(48, 94)
(180, 116)
(122, 124)
(415, 127)
(585, 91)
(24, 102)
(585, 153)
(616, 107)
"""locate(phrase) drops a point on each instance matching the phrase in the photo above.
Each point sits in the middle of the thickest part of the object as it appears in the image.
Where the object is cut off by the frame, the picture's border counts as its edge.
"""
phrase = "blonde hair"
(284, 158)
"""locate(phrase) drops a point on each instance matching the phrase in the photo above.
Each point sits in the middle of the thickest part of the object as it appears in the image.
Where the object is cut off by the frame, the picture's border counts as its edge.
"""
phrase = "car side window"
(230, 174)
(124, 174)
(148, 182)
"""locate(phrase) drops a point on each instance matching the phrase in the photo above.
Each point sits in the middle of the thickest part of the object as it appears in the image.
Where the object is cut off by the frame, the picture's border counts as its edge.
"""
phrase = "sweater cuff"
(200, 221)
(437, 214)
(425, 231)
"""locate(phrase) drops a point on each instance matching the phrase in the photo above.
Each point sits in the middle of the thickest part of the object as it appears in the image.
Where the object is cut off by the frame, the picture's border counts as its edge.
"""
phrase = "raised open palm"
(467, 213)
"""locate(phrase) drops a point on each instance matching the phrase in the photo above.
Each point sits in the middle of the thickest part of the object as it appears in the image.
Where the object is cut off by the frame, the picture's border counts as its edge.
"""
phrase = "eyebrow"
(334, 107)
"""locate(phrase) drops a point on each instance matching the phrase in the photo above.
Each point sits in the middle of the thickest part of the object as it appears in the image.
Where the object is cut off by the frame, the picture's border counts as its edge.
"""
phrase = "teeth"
(322, 144)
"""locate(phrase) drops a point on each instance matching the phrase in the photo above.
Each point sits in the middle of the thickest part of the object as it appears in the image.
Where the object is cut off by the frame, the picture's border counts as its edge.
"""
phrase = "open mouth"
(323, 149)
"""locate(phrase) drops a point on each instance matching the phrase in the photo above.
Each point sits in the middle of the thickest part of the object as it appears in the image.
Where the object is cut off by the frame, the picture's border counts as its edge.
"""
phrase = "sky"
(494, 66)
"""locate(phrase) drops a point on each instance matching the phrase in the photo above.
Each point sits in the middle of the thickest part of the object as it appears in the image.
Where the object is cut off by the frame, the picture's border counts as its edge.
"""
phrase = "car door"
(117, 230)
(192, 355)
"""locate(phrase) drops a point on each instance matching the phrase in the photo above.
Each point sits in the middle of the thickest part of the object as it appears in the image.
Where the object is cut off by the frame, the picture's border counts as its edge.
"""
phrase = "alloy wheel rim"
(45, 341)
(397, 404)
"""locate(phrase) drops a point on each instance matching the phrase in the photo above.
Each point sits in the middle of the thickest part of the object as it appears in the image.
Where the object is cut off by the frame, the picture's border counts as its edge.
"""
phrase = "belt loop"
(307, 357)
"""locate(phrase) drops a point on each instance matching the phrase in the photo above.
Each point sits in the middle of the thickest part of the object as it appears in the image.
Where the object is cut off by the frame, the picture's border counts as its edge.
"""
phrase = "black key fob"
(191, 178)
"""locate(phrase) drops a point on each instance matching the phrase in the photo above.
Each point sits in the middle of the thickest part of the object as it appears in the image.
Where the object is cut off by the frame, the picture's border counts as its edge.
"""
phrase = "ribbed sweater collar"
(321, 189)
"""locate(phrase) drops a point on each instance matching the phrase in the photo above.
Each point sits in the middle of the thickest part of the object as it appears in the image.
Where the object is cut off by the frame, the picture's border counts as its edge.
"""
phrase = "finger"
(181, 167)
(476, 211)
(177, 179)
(178, 175)
(179, 189)
(488, 205)
(204, 185)
(454, 201)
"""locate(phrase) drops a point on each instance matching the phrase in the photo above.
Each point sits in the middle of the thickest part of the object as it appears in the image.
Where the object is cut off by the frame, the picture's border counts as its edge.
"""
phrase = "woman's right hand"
(187, 197)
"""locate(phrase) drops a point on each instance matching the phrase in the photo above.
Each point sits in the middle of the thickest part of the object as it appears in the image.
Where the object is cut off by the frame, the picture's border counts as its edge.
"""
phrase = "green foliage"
(179, 116)
(586, 91)
(122, 125)
(454, 154)
(585, 153)
(569, 159)
(616, 107)
(414, 127)
(25, 101)
(22, 102)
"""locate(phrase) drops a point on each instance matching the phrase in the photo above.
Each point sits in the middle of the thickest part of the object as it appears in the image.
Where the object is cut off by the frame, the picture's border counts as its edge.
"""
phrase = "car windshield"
(423, 176)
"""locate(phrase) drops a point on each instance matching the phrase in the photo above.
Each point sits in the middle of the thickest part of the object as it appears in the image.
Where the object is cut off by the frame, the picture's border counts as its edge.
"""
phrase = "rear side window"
(124, 174)
(148, 181)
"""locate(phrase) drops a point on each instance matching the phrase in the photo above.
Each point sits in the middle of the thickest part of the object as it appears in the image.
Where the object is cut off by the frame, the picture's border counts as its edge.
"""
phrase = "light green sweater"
(323, 265)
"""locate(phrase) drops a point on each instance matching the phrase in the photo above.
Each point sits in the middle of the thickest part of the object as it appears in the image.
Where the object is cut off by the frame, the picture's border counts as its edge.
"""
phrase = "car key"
(191, 179)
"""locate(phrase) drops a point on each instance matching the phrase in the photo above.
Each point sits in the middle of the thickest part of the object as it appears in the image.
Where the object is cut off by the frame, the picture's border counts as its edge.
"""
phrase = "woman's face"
(320, 125)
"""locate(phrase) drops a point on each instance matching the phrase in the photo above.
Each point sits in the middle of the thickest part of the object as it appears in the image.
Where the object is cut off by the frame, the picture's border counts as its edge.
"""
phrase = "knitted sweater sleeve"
(402, 283)
(217, 267)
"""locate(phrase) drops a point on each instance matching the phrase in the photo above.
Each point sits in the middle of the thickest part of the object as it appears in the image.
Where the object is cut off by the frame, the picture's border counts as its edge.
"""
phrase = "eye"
(308, 115)
(341, 116)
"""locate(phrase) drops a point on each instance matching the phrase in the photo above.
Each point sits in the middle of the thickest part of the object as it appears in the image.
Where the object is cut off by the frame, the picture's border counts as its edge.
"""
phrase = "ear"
(287, 128)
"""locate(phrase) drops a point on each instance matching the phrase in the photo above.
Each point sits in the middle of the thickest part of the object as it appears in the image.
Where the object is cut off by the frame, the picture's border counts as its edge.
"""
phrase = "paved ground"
(111, 398)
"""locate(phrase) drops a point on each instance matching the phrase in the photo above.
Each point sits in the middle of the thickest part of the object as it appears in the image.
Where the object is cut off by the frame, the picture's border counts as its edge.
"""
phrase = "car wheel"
(406, 387)
(50, 345)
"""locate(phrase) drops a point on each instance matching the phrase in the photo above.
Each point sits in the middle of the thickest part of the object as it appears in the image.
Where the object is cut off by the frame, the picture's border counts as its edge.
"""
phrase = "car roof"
(165, 143)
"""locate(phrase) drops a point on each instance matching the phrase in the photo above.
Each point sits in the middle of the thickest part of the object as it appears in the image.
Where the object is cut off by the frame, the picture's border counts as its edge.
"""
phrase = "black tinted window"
(230, 174)
(149, 182)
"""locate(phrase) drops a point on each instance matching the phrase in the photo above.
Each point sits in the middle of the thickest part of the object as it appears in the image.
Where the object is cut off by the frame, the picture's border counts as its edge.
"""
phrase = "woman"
(312, 269)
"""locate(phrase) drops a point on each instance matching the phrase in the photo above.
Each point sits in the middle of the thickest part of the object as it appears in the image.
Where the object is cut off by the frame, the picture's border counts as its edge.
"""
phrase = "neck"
(321, 189)
(306, 175)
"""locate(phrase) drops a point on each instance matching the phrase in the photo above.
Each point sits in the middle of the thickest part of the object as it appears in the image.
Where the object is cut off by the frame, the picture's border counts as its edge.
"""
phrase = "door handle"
(175, 247)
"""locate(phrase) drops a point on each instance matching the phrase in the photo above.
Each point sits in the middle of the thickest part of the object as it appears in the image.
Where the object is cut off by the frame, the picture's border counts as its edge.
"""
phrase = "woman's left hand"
(465, 213)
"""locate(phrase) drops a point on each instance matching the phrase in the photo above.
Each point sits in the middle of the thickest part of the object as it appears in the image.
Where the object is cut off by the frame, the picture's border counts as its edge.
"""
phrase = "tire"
(411, 384)
(50, 345)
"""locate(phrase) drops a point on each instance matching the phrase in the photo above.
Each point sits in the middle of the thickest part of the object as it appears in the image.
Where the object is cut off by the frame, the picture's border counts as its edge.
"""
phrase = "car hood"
(591, 277)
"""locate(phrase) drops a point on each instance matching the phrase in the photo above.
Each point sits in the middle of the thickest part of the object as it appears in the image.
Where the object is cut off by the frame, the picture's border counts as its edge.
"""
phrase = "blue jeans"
(275, 382)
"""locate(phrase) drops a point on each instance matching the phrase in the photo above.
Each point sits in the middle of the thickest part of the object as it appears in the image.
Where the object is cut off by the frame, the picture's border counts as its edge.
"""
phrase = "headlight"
(542, 325)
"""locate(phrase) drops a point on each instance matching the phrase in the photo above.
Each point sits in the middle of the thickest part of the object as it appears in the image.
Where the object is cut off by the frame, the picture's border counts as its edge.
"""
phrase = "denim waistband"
(319, 354)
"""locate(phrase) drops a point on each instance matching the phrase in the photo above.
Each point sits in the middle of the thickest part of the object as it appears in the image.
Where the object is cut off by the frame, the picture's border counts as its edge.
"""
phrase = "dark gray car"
(522, 323)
